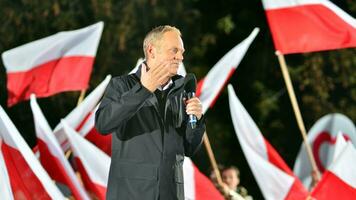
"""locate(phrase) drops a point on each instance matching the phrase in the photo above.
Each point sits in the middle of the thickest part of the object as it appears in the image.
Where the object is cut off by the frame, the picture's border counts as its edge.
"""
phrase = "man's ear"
(151, 50)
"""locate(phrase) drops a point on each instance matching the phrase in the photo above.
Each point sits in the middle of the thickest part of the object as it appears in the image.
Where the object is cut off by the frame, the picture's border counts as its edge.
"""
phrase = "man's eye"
(174, 50)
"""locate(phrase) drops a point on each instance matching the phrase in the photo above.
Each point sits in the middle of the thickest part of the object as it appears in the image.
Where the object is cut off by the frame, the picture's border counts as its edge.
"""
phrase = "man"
(231, 188)
(148, 115)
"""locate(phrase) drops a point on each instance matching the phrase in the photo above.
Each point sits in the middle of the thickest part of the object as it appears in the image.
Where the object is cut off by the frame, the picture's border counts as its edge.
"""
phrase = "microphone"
(190, 83)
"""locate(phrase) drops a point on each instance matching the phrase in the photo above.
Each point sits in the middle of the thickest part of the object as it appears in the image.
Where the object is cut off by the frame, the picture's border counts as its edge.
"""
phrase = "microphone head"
(190, 83)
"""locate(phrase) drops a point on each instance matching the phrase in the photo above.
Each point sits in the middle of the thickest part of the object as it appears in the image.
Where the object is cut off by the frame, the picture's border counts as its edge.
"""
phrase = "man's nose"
(179, 56)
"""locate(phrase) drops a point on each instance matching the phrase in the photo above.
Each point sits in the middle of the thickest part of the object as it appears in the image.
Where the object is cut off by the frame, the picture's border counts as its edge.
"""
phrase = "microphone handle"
(192, 118)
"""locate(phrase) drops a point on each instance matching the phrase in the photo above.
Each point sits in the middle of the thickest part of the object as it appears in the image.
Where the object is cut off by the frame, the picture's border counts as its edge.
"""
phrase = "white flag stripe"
(277, 4)
(30, 55)
(12, 137)
(217, 76)
(189, 180)
(95, 161)
(279, 182)
(345, 165)
(44, 132)
(89, 124)
(77, 115)
(339, 146)
(5, 187)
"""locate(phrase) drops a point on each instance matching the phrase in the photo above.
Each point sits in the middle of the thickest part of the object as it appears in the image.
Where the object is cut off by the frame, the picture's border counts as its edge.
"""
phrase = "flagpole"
(81, 96)
(212, 158)
(297, 112)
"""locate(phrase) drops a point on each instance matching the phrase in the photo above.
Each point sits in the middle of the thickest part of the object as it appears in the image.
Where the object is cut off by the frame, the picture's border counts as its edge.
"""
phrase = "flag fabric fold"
(322, 140)
(61, 62)
(93, 164)
(273, 176)
(339, 180)
(79, 116)
(299, 26)
(52, 156)
(5, 186)
(27, 177)
(209, 87)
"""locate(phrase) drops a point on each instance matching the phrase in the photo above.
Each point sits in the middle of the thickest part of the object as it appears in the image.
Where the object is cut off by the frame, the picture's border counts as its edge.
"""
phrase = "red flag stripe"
(99, 191)
(294, 30)
(24, 183)
(67, 73)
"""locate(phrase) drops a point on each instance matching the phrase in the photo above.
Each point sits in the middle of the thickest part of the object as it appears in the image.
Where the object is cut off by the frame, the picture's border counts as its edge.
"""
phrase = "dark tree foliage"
(324, 82)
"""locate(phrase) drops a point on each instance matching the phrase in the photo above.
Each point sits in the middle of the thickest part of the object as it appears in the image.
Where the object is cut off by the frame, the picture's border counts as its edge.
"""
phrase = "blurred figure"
(231, 181)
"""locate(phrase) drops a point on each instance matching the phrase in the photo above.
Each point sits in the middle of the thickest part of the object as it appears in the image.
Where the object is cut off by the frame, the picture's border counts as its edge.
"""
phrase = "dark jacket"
(150, 139)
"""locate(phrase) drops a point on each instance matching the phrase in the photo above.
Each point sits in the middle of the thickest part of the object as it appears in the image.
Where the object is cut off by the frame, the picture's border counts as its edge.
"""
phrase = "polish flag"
(87, 129)
(79, 116)
(339, 180)
(196, 185)
(27, 177)
(52, 156)
(93, 164)
(209, 87)
(61, 62)
(322, 140)
(5, 186)
(299, 26)
(273, 176)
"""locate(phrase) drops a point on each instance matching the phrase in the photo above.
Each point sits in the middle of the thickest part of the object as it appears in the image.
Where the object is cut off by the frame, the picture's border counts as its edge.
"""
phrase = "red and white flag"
(299, 26)
(196, 185)
(80, 114)
(273, 176)
(61, 62)
(208, 88)
(27, 177)
(87, 129)
(93, 164)
(52, 156)
(322, 140)
(5, 186)
(339, 180)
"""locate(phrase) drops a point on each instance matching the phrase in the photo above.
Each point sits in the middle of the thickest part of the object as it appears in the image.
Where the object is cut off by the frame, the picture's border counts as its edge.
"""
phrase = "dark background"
(324, 82)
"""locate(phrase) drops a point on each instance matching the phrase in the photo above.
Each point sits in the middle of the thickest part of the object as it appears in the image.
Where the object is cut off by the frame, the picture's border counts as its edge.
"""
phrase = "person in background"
(232, 190)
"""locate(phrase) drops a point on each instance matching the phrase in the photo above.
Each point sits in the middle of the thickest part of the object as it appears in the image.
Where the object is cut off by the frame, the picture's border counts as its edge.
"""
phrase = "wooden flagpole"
(212, 158)
(297, 112)
(81, 96)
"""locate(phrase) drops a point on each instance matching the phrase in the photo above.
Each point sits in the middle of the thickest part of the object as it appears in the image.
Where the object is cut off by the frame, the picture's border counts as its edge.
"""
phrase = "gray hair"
(156, 34)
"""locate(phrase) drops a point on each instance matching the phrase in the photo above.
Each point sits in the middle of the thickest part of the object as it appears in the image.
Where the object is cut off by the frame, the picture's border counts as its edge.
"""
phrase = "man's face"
(170, 49)
(229, 176)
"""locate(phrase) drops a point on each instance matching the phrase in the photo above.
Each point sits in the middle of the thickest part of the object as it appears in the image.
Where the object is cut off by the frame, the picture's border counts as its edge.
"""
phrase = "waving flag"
(52, 156)
(79, 115)
(93, 164)
(61, 62)
(5, 187)
(87, 129)
(273, 176)
(28, 179)
(322, 139)
(339, 180)
(196, 185)
(299, 26)
(209, 87)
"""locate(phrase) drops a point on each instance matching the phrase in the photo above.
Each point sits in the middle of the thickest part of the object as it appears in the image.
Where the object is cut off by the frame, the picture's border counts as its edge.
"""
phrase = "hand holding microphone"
(193, 105)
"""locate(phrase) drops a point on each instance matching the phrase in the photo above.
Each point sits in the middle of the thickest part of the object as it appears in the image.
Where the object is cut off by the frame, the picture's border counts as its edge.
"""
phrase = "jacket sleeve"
(119, 104)
(193, 137)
